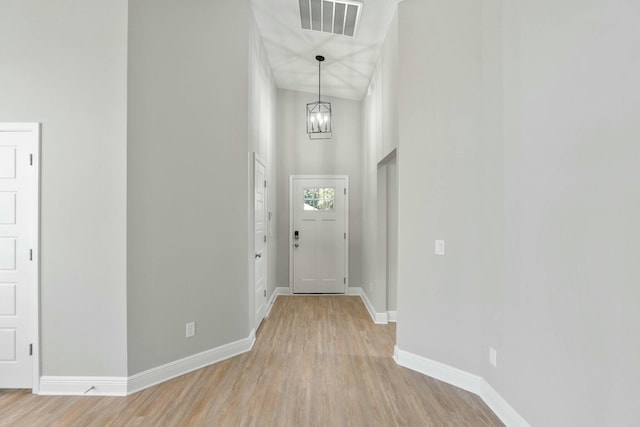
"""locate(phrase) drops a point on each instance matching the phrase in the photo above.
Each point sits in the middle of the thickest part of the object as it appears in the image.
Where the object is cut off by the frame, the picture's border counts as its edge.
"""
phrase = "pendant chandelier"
(319, 114)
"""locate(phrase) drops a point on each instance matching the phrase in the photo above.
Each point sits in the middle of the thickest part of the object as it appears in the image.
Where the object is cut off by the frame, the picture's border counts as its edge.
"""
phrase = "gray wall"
(380, 139)
(64, 64)
(519, 130)
(572, 205)
(392, 232)
(188, 178)
(263, 110)
(297, 155)
(450, 174)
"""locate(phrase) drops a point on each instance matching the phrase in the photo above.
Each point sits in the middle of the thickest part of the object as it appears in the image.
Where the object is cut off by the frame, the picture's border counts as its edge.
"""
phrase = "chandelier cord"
(319, 62)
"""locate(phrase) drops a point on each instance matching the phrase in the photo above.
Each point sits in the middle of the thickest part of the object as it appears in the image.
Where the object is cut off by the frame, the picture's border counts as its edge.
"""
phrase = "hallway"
(317, 361)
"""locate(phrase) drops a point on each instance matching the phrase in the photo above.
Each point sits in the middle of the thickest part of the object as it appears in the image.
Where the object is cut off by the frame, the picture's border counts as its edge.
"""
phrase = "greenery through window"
(319, 199)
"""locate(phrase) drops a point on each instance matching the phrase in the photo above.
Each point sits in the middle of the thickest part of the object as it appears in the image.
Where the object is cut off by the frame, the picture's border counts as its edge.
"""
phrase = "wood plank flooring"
(317, 361)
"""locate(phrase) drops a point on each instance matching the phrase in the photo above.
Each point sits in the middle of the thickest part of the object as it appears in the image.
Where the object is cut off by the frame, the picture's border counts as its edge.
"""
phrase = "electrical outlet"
(191, 329)
(439, 247)
(493, 356)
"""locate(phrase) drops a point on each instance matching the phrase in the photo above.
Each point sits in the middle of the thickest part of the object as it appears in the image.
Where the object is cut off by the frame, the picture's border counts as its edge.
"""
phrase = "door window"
(319, 199)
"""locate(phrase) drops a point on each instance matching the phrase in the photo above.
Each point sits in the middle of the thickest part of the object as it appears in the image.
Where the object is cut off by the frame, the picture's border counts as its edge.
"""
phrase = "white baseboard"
(123, 386)
(378, 318)
(392, 316)
(463, 380)
(280, 290)
(83, 386)
(283, 290)
(354, 290)
(188, 364)
(437, 370)
(501, 407)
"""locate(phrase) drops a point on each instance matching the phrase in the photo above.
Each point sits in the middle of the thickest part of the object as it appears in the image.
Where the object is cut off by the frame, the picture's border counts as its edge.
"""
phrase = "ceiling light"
(319, 114)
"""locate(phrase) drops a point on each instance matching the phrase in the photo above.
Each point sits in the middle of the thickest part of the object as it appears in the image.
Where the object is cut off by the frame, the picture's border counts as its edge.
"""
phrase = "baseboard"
(464, 380)
(354, 290)
(437, 370)
(378, 318)
(392, 316)
(83, 386)
(501, 407)
(188, 364)
(280, 290)
(123, 386)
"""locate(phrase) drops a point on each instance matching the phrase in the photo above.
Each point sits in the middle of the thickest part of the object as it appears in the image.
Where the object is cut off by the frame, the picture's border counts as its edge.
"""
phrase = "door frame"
(292, 178)
(255, 157)
(35, 128)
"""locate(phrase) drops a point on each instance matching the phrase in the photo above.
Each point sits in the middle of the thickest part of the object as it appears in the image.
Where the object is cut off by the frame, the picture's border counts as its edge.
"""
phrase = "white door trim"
(346, 223)
(257, 158)
(35, 223)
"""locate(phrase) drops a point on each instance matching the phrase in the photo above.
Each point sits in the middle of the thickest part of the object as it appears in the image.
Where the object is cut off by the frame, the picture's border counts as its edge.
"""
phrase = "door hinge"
(345, 191)
(265, 238)
(30, 254)
(344, 281)
(30, 159)
(265, 184)
(345, 236)
(265, 293)
(30, 349)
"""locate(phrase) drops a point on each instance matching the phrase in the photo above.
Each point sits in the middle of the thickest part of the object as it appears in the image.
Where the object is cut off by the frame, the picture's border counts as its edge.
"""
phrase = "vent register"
(337, 17)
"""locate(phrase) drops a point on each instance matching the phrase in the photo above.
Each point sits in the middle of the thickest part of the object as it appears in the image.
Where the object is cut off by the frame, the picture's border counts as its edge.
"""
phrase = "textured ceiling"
(350, 61)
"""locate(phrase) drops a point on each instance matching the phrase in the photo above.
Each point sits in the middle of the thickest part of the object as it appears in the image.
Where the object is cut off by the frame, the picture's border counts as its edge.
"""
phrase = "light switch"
(493, 356)
(191, 329)
(439, 247)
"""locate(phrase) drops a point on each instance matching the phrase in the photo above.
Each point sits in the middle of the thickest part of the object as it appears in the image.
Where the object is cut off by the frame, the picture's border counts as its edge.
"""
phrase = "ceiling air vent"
(337, 17)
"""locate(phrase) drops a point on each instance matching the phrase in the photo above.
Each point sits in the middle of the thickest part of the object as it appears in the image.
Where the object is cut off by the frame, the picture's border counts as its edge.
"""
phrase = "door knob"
(258, 255)
(296, 244)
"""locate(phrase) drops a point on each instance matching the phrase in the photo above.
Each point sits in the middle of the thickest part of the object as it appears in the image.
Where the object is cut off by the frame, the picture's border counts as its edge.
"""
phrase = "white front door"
(260, 239)
(19, 145)
(319, 207)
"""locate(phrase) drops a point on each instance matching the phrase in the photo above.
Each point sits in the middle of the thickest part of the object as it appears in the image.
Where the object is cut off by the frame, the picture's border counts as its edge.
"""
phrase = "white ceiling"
(350, 61)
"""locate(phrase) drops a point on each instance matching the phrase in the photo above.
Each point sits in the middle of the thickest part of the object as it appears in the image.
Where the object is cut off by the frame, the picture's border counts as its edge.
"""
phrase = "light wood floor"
(317, 361)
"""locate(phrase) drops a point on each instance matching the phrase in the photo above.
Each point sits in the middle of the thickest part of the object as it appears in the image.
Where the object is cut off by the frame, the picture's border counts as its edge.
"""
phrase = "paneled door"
(260, 239)
(319, 239)
(19, 177)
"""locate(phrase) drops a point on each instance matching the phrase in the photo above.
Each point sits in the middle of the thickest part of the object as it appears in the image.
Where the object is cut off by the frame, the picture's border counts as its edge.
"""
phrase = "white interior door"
(319, 209)
(19, 145)
(260, 239)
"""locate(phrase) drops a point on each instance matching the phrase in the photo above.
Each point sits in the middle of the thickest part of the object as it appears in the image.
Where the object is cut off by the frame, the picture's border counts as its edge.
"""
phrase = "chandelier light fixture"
(319, 114)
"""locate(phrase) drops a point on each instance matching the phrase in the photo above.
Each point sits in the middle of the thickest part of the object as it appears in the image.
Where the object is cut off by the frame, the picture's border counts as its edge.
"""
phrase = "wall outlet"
(439, 249)
(191, 329)
(493, 356)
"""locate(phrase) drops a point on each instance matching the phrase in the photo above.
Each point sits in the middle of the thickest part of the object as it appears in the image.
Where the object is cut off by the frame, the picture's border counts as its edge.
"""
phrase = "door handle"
(258, 255)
